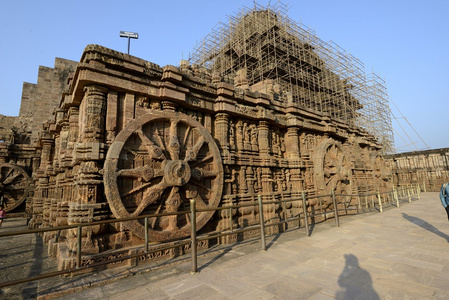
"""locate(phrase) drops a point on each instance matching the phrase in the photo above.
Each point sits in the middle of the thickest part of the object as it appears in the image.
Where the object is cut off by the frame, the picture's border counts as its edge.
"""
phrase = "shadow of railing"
(340, 204)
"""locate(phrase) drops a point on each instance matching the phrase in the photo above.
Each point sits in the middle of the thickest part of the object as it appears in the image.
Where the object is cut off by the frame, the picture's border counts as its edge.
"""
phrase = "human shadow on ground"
(423, 224)
(355, 282)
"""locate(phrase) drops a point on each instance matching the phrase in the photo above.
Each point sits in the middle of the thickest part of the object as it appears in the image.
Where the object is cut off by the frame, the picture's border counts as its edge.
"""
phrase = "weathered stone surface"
(429, 169)
(131, 142)
(129, 137)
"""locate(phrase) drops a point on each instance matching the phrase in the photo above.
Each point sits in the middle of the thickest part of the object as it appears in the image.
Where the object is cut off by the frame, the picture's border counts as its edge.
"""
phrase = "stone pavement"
(401, 253)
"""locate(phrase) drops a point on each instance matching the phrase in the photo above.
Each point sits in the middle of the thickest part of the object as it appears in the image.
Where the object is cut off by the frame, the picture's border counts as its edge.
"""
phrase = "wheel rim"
(156, 164)
(331, 167)
(14, 185)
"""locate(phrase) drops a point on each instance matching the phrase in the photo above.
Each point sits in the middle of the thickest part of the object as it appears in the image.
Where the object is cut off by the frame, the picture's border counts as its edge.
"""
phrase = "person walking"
(444, 197)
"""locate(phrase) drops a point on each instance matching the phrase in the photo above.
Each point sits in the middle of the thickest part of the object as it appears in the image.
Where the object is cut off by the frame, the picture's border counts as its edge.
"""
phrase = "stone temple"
(262, 107)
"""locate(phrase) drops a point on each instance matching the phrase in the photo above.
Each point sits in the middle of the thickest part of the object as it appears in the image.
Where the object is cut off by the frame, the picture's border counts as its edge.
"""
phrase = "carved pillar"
(292, 147)
(64, 139)
(94, 114)
(263, 137)
(41, 208)
(254, 140)
(111, 116)
(292, 143)
(239, 135)
(88, 205)
(267, 181)
(250, 180)
(243, 187)
(221, 132)
(246, 137)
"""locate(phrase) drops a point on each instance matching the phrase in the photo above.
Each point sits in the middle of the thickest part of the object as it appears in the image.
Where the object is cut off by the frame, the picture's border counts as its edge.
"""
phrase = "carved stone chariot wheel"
(15, 184)
(332, 169)
(155, 165)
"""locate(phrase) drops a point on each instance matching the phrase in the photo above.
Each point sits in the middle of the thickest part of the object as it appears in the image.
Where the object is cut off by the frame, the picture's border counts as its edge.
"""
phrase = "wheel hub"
(177, 173)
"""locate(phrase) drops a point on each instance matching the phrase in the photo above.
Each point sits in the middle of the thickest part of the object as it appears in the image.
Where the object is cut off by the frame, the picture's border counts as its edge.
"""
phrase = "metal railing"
(372, 200)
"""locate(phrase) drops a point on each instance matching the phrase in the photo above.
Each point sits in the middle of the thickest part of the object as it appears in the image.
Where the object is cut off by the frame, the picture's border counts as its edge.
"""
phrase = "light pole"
(129, 35)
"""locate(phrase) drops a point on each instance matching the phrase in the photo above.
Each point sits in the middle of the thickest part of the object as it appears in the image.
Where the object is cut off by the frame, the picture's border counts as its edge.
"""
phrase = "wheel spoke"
(200, 202)
(210, 173)
(172, 205)
(186, 208)
(145, 172)
(152, 195)
(192, 153)
(7, 174)
(199, 174)
(173, 143)
(153, 150)
(186, 136)
(199, 184)
(206, 158)
(15, 186)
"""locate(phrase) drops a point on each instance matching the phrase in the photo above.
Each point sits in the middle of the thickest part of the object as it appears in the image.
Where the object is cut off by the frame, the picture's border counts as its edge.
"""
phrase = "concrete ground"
(401, 253)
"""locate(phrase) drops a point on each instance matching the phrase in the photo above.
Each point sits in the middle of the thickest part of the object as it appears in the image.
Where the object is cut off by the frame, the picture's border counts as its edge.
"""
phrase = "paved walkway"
(401, 253)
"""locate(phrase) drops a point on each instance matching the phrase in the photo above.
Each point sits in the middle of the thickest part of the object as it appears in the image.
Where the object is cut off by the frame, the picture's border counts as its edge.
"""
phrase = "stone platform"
(401, 253)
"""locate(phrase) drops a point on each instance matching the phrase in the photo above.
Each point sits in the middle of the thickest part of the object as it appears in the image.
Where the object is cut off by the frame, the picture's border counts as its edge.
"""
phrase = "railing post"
(380, 201)
(409, 197)
(193, 235)
(334, 201)
(395, 195)
(304, 208)
(146, 234)
(262, 223)
(78, 246)
(418, 190)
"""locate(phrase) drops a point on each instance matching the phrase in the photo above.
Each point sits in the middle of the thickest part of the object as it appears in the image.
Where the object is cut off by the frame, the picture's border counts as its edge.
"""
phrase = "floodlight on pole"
(129, 35)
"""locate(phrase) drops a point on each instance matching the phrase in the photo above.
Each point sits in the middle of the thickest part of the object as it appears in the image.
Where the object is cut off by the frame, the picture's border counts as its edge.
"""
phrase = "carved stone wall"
(131, 138)
(429, 169)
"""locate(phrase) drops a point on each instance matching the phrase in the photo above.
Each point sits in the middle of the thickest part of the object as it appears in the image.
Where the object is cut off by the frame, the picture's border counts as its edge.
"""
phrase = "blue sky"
(405, 42)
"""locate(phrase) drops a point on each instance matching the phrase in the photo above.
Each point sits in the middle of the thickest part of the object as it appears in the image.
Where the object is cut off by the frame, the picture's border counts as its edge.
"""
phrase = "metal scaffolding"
(273, 54)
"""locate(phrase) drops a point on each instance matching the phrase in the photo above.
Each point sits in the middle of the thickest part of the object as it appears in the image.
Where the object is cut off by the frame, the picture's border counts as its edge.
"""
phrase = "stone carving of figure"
(280, 182)
(142, 101)
(231, 135)
(239, 135)
(155, 104)
(259, 179)
(254, 141)
(287, 179)
(250, 180)
(282, 146)
(231, 182)
(243, 188)
(199, 117)
(246, 137)
(275, 143)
